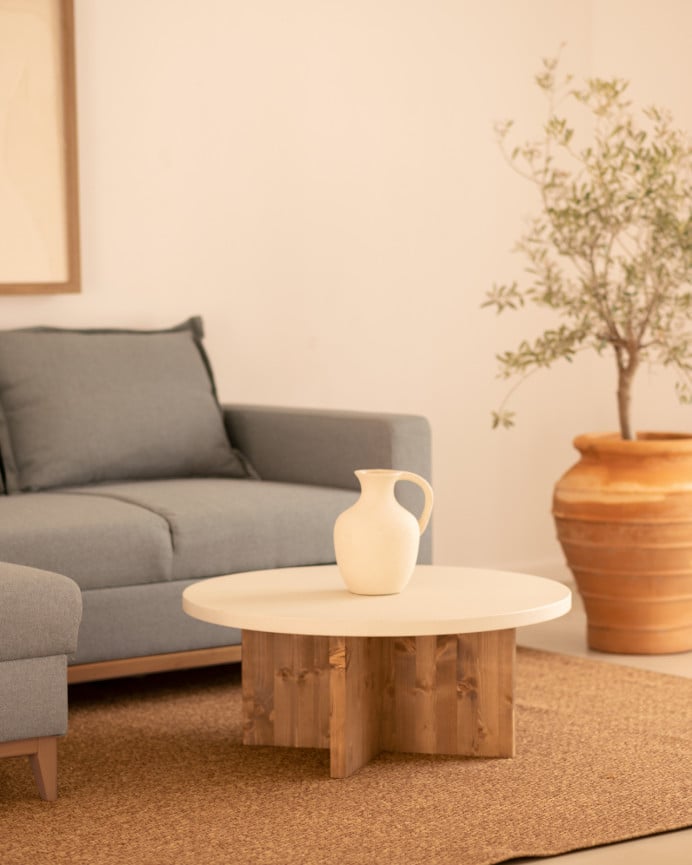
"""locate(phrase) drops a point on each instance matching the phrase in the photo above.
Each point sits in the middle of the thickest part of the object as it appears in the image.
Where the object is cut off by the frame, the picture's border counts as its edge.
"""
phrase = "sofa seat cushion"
(97, 541)
(221, 526)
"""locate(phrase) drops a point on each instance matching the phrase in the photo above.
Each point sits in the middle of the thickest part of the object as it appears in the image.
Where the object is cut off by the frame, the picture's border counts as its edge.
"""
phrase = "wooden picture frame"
(39, 206)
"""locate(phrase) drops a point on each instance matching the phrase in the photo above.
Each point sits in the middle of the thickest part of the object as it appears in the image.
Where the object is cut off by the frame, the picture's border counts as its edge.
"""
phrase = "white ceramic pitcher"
(376, 540)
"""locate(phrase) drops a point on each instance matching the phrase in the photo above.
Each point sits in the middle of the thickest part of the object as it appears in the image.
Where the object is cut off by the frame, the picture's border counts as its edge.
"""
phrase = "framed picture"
(39, 207)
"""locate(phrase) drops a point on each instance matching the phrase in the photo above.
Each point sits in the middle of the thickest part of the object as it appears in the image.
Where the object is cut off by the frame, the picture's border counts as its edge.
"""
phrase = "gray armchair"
(40, 614)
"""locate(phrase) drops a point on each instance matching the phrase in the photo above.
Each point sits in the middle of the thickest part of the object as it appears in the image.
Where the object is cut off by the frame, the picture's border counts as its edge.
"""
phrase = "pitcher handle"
(424, 518)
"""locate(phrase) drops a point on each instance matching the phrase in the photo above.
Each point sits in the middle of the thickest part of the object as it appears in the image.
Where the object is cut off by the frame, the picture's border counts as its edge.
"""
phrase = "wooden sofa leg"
(44, 763)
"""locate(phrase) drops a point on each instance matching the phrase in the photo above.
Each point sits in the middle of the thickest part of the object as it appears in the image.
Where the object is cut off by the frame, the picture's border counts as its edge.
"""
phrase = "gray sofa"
(122, 471)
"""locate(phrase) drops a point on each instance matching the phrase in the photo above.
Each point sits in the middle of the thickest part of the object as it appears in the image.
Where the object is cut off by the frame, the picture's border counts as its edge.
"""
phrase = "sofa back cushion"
(80, 407)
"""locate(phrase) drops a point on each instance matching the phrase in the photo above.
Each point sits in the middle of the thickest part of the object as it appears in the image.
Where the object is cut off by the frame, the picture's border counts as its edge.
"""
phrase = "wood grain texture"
(165, 662)
(449, 694)
(44, 764)
(285, 690)
(301, 689)
(42, 752)
(485, 694)
(356, 686)
(258, 688)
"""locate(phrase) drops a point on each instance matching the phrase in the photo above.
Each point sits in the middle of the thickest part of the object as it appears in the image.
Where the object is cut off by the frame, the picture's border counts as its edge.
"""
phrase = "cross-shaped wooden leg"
(357, 696)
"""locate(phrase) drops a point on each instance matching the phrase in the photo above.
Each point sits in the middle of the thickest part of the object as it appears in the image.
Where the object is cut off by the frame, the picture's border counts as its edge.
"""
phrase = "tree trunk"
(625, 375)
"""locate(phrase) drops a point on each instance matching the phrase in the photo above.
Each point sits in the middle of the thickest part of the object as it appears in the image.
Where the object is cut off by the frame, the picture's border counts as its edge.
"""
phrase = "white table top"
(437, 600)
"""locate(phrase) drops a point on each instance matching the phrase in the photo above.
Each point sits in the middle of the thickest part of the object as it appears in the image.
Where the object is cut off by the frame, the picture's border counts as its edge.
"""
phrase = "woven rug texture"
(153, 772)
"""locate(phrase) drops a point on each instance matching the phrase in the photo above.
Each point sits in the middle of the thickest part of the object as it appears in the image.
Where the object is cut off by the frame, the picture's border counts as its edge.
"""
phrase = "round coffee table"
(430, 670)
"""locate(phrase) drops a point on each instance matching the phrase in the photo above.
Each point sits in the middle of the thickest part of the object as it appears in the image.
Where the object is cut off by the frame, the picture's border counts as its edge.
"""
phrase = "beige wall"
(319, 180)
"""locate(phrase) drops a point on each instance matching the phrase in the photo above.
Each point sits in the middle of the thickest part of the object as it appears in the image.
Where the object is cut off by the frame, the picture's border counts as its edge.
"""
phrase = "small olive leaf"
(504, 297)
(502, 418)
(684, 392)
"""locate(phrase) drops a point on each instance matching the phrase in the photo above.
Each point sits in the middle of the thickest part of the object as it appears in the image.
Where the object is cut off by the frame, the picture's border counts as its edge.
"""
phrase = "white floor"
(568, 635)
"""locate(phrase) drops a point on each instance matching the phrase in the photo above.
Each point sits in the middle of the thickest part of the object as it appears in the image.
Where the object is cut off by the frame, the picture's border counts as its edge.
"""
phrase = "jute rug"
(153, 771)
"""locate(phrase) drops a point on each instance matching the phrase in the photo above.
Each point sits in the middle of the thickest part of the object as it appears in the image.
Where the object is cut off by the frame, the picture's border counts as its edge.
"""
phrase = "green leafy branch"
(610, 251)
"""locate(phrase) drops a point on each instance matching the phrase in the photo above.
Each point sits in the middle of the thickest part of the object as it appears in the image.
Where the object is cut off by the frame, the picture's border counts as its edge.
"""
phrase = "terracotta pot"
(624, 520)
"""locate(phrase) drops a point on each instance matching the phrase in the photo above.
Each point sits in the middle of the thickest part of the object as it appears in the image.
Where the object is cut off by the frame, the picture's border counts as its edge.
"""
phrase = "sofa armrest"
(325, 447)
(40, 613)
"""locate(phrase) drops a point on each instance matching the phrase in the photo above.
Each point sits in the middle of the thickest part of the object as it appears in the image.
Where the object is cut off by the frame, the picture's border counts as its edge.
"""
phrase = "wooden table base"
(357, 696)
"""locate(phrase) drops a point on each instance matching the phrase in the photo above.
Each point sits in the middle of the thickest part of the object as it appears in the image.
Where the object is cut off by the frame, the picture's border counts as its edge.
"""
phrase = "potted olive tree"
(610, 253)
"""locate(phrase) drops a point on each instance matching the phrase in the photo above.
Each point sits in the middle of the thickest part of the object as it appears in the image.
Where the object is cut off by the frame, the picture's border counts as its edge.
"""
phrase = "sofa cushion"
(81, 407)
(96, 541)
(221, 526)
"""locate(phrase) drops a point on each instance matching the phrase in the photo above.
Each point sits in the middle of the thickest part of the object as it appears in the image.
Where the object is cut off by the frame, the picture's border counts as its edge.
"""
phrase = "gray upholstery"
(34, 698)
(143, 620)
(82, 407)
(220, 526)
(39, 613)
(94, 540)
(133, 546)
(324, 447)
